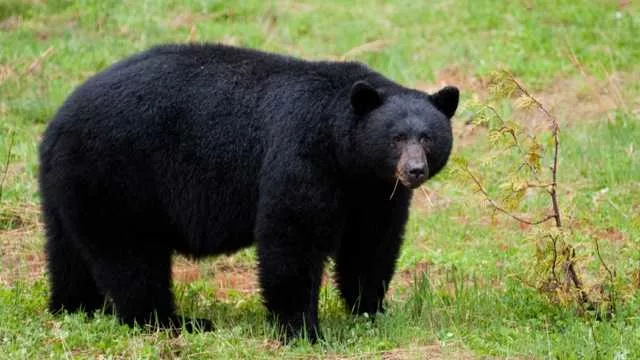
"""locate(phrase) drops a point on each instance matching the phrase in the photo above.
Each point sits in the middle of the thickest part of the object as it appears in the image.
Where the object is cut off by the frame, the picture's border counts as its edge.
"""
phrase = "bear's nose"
(417, 170)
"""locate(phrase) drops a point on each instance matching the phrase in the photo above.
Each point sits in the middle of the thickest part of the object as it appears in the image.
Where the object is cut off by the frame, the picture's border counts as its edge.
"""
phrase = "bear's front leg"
(369, 248)
(296, 229)
(290, 278)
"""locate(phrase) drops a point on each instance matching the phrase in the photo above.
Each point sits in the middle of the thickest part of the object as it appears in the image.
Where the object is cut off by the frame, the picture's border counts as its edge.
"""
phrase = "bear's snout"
(412, 169)
(416, 171)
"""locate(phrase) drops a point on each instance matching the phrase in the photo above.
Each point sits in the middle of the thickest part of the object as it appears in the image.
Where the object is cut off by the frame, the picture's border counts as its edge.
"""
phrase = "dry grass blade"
(372, 46)
(394, 188)
(193, 34)
(37, 64)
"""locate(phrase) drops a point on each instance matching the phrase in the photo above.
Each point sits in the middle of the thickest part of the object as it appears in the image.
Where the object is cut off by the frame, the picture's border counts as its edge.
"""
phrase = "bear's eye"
(399, 138)
(424, 139)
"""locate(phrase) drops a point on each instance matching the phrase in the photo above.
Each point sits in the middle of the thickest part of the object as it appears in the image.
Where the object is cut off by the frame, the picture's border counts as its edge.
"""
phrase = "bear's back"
(199, 83)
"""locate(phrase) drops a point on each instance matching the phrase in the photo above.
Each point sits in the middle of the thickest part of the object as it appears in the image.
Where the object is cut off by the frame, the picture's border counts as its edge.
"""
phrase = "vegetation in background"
(471, 281)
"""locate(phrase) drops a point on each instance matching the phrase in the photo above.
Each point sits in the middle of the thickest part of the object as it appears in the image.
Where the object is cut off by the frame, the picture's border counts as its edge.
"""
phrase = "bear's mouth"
(411, 183)
(412, 169)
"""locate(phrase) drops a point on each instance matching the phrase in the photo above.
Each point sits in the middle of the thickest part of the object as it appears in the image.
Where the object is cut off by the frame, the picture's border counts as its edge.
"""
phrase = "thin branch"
(604, 264)
(612, 293)
(571, 272)
(553, 191)
(499, 208)
(5, 171)
(555, 129)
(510, 131)
(538, 103)
(544, 186)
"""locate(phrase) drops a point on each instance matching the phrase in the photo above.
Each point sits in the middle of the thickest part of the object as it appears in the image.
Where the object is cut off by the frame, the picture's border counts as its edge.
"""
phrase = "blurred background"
(472, 281)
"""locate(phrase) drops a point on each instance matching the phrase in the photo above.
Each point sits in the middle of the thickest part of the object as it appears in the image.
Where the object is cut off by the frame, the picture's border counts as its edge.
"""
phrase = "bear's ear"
(446, 100)
(364, 97)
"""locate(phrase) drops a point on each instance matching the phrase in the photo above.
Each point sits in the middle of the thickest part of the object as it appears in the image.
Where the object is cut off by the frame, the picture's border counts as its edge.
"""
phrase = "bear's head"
(403, 135)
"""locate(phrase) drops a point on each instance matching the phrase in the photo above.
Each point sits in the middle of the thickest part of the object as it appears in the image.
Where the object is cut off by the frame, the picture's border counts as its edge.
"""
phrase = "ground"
(462, 288)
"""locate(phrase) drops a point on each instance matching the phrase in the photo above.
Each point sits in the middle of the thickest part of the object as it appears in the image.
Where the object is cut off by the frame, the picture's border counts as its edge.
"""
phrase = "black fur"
(206, 149)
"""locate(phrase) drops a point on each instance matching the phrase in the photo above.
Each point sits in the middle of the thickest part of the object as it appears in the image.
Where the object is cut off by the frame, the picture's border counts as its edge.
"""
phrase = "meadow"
(468, 279)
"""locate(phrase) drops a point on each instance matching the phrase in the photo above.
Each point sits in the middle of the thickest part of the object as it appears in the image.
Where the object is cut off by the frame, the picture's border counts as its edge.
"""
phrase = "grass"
(460, 291)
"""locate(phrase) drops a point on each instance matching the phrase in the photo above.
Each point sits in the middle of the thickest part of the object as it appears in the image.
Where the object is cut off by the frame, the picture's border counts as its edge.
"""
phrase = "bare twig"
(571, 272)
(510, 131)
(554, 185)
(604, 264)
(499, 208)
(612, 293)
(495, 112)
(5, 171)
(543, 186)
(571, 277)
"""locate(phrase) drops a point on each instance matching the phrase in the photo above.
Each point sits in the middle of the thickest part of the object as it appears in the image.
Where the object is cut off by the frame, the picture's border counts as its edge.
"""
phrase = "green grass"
(459, 292)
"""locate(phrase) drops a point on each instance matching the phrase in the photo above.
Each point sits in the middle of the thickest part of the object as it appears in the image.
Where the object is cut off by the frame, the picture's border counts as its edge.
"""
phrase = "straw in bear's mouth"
(406, 183)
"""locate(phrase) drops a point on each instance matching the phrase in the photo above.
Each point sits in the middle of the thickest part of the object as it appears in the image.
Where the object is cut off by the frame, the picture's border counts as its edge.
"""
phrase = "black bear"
(207, 149)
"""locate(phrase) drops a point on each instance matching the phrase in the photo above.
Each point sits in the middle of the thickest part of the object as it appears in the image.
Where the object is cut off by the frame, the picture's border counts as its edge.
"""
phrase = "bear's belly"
(222, 225)
(212, 244)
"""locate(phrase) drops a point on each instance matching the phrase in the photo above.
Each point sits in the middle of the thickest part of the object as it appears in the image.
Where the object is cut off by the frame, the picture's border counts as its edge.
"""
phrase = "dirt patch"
(227, 275)
(23, 217)
(231, 277)
(434, 352)
(614, 236)
(11, 23)
(425, 352)
(441, 277)
(577, 100)
(18, 264)
(457, 76)
(406, 278)
(185, 271)
(243, 280)
(609, 235)
(21, 254)
(572, 100)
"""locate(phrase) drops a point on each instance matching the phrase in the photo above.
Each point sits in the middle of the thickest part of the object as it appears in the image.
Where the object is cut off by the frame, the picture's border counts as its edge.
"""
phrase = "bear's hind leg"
(72, 285)
(138, 282)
